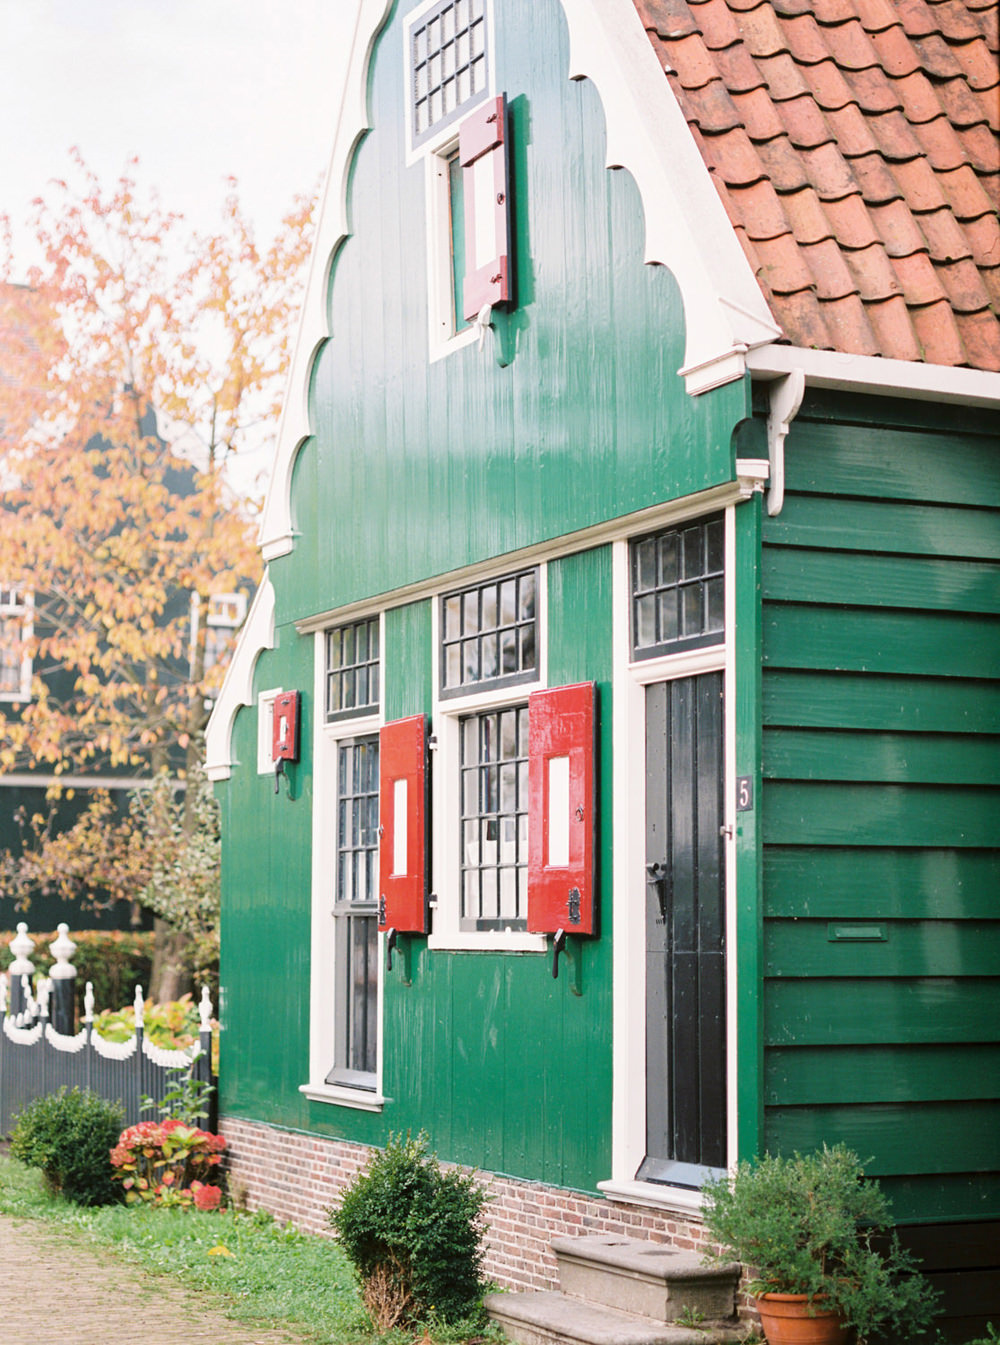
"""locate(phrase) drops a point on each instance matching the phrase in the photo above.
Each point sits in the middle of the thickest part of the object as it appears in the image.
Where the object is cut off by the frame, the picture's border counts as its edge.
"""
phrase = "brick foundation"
(298, 1177)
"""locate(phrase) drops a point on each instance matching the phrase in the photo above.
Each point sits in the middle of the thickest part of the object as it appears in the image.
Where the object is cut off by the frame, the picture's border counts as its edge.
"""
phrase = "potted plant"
(806, 1226)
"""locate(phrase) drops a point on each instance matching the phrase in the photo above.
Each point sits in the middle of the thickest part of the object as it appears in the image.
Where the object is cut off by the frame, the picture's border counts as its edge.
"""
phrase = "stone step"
(549, 1317)
(646, 1278)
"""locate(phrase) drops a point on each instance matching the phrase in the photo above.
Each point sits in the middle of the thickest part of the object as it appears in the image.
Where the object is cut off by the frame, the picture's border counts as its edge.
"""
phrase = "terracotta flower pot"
(786, 1321)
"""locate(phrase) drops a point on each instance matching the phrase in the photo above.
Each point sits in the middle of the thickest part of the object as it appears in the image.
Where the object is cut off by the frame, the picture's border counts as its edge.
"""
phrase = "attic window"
(448, 61)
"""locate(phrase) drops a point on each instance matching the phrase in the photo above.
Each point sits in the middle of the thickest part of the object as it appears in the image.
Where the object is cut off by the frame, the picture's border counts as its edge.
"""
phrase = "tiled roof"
(855, 145)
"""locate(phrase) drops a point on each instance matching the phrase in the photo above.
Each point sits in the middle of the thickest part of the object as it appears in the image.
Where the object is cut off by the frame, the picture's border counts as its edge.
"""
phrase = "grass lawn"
(255, 1269)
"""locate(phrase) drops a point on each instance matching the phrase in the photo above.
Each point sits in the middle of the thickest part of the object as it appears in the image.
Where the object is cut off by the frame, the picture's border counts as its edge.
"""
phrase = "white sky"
(198, 89)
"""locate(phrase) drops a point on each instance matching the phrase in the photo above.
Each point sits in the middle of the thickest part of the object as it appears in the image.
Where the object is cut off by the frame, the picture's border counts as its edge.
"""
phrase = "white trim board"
(872, 374)
(237, 687)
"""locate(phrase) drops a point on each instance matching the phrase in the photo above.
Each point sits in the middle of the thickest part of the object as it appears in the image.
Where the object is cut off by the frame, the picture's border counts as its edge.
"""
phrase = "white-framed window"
(16, 609)
(489, 654)
(225, 615)
(265, 729)
(345, 998)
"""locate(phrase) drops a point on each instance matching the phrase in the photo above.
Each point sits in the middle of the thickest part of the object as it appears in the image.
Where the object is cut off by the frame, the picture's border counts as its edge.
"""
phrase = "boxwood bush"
(69, 1136)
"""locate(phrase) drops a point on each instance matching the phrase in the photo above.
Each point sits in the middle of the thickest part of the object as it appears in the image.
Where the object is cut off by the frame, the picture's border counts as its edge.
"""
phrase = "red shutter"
(482, 152)
(403, 826)
(561, 810)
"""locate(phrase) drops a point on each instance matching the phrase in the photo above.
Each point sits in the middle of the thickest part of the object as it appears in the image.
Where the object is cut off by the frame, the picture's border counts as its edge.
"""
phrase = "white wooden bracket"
(785, 400)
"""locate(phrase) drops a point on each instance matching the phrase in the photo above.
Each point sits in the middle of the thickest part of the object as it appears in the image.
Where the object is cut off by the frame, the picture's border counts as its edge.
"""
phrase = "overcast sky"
(198, 89)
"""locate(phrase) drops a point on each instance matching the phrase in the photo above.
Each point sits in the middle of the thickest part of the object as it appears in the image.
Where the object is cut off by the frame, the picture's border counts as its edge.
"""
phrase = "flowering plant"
(165, 1163)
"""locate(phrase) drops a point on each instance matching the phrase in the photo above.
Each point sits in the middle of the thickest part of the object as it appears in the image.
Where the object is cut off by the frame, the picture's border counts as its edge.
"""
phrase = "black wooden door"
(685, 932)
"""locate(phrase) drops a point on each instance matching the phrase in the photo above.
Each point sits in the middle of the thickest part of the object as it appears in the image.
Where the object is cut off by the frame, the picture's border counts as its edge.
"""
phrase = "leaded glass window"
(678, 588)
(494, 819)
(352, 669)
(489, 634)
(448, 64)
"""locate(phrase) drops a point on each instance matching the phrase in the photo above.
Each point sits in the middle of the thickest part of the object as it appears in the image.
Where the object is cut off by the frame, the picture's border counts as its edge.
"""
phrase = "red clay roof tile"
(829, 172)
(783, 164)
(856, 161)
(940, 143)
(873, 272)
(828, 85)
(851, 46)
(894, 137)
(853, 226)
(964, 287)
(876, 15)
(759, 209)
(849, 324)
(919, 97)
(739, 70)
(806, 125)
(947, 241)
(872, 91)
(762, 32)
(760, 116)
(806, 43)
(897, 228)
(954, 20)
(916, 17)
(890, 319)
(978, 332)
(988, 22)
(896, 52)
(978, 62)
(851, 131)
(784, 78)
(938, 333)
(919, 279)
(877, 184)
(810, 222)
(831, 276)
(936, 56)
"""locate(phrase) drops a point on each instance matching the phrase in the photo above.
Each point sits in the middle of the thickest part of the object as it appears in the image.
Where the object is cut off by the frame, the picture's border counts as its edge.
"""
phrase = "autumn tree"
(136, 365)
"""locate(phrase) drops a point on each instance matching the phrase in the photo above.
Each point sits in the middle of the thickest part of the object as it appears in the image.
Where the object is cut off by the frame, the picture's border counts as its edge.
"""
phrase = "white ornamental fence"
(40, 1053)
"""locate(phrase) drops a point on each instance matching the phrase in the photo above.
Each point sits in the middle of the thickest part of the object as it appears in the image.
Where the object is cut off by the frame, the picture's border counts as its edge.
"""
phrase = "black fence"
(39, 1056)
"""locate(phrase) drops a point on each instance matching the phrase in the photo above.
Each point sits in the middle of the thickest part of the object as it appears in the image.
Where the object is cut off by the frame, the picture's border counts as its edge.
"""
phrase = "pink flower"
(206, 1197)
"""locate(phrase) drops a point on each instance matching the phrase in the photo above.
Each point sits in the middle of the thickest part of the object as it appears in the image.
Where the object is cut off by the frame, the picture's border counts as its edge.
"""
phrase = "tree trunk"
(171, 976)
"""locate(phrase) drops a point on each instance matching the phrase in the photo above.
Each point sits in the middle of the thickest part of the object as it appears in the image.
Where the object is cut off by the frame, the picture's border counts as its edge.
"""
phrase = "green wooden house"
(631, 617)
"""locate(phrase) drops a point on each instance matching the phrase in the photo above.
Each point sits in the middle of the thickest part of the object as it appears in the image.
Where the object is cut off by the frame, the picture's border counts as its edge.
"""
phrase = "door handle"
(656, 877)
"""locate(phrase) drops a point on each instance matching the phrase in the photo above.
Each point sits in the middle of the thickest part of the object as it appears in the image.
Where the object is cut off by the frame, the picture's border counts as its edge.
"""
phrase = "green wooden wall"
(881, 806)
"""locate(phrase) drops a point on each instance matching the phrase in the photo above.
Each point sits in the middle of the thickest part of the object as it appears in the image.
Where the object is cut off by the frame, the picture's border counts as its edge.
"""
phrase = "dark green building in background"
(632, 546)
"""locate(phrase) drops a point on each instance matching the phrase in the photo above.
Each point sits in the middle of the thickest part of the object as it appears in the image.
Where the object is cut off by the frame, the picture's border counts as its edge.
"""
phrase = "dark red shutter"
(561, 810)
(482, 152)
(403, 838)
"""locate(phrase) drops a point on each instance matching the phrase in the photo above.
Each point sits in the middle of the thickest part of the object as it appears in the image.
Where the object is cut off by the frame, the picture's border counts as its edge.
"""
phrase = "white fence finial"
(205, 1010)
(62, 948)
(88, 1002)
(139, 1006)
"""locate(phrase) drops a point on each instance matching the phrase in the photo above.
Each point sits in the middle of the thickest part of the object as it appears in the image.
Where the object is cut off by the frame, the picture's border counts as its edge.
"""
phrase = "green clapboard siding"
(881, 800)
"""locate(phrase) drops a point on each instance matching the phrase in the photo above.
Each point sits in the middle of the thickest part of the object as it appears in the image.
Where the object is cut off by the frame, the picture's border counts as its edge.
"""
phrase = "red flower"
(207, 1197)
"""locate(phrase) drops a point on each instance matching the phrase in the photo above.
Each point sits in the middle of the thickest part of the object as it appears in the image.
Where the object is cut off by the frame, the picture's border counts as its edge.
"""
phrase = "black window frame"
(482, 633)
(707, 581)
(483, 783)
(371, 664)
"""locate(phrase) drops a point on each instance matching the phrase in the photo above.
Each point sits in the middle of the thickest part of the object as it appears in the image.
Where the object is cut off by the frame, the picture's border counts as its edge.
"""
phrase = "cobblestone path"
(54, 1290)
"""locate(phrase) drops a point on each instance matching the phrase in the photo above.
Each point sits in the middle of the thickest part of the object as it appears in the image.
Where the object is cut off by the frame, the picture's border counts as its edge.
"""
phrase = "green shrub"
(69, 1136)
(414, 1235)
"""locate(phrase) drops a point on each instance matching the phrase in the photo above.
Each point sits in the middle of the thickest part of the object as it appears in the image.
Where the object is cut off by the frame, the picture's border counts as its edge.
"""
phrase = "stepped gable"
(856, 147)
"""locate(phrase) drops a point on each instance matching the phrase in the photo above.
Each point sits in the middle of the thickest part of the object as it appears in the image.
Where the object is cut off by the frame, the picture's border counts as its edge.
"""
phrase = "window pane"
(526, 610)
(645, 564)
(679, 604)
(494, 625)
(352, 668)
(494, 817)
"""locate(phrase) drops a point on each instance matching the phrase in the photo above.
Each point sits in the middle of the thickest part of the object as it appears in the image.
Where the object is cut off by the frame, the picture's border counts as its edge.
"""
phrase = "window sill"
(489, 942)
(653, 1195)
(358, 1098)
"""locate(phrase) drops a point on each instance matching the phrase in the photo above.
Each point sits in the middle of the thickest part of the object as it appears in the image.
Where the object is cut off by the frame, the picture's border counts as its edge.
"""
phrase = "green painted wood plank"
(907, 758)
(870, 525)
(407, 660)
(810, 813)
(945, 1198)
(827, 883)
(822, 1075)
(868, 1013)
(798, 635)
(936, 1137)
(890, 463)
(880, 947)
(857, 700)
(793, 574)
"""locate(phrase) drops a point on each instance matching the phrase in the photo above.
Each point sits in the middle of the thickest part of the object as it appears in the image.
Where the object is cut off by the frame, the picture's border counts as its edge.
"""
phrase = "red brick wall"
(298, 1177)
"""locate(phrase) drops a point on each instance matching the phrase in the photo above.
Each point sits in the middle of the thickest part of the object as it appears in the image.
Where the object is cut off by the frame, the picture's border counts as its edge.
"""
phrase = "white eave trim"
(687, 228)
(276, 529)
(237, 688)
(872, 374)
